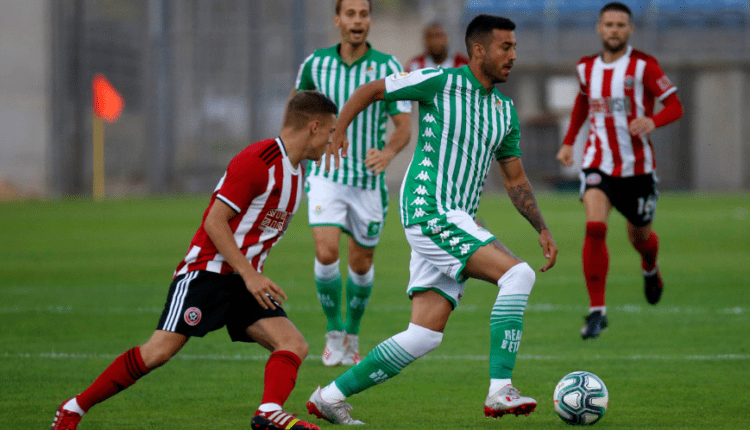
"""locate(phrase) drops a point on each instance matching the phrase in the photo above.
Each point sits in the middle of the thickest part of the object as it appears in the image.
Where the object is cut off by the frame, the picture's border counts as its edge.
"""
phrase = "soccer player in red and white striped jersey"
(619, 87)
(436, 51)
(219, 283)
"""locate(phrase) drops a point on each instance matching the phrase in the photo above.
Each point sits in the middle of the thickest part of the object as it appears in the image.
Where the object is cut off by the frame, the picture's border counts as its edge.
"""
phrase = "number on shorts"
(647, 206)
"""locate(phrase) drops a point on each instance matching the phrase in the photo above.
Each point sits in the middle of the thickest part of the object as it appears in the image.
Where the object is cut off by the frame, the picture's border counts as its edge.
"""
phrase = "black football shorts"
(200, 302)
(634, 197)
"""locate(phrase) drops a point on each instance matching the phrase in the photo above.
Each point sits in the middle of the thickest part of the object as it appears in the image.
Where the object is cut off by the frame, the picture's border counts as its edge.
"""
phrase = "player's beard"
(493, 71)
(616, 48)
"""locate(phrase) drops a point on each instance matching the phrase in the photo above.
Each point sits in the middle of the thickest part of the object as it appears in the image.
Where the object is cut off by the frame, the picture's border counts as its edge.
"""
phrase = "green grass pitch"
(81, 282)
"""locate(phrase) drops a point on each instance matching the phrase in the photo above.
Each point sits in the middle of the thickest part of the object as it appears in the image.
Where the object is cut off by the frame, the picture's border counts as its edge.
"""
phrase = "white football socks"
(331, 394)
(72, 406)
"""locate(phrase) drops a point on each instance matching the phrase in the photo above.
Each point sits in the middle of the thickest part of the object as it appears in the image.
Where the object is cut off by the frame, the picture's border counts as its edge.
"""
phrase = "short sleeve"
(509, 146)
(655, 81)
(420, 85)
(397, 106)
(245, 178)
(304, 76)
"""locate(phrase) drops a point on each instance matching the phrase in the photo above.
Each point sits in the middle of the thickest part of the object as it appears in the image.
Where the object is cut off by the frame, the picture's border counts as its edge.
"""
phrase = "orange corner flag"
(108, 103)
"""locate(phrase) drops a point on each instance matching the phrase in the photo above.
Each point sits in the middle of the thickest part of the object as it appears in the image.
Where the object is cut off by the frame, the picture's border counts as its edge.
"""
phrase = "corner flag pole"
(98, 157)
(107, 106)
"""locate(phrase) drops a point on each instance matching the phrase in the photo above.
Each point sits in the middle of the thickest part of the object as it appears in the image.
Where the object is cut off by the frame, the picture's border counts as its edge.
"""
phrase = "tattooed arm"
(520, 193)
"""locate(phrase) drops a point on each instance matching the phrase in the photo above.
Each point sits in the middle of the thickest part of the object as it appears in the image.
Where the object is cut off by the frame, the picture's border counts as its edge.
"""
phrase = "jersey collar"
(624, 58)
(474, 81)
(364, 57)
(285, 157)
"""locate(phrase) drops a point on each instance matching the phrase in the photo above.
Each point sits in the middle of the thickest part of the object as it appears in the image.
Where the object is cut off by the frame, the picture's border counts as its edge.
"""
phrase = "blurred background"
(202, 79)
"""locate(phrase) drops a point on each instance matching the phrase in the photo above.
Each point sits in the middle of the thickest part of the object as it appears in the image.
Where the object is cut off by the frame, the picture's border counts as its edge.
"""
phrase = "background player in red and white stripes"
(619, 87)
(219, 283)
(436, 51)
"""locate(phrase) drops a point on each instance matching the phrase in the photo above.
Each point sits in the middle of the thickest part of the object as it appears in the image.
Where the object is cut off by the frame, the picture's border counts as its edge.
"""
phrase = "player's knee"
(526, 274)
(418, 341)
(518, 280)
(301, 348)
(295, 343)
(596, 230)
(156, 357)
(326, 255)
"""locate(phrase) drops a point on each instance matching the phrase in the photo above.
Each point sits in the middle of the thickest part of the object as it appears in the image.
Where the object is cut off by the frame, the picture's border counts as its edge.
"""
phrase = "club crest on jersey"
(370, 72)
(593, 179)
(318, 210)
(629, 81)
(192, 316)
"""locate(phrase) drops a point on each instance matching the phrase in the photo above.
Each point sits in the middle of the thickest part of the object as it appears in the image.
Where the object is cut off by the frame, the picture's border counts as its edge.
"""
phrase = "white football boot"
(335, 349)
(351, 356)
(508, 400)
(336, 413)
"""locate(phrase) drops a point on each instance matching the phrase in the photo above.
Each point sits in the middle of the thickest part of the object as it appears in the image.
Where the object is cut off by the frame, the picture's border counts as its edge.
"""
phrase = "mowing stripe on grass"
(262, 357)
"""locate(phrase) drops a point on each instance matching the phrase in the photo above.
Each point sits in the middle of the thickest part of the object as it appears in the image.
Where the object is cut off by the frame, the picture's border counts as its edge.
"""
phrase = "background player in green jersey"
(351, 198)
(464, 123)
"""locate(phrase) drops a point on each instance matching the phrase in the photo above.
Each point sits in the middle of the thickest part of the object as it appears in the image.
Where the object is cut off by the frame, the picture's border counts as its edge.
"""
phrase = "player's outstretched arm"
(217, 227)
(520, 193)
(377, 161)
(360, 99)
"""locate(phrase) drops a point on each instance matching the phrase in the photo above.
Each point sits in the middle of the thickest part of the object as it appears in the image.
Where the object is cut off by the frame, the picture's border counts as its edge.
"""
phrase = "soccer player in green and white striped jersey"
(351, 198)
(465, 123)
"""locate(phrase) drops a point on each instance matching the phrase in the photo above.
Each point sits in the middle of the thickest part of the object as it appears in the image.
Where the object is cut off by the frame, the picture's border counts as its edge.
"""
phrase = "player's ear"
(477, 50)
(313, 126)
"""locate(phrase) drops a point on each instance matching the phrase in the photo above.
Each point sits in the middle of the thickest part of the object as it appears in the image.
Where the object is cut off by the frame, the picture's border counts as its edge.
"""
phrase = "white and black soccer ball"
(581, 398)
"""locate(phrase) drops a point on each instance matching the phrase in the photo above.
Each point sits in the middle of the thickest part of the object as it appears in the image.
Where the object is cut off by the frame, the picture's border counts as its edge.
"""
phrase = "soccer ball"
(580, 398)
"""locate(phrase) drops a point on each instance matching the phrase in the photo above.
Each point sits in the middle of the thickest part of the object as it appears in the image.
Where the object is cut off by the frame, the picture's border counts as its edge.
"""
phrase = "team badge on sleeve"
(193, 316)
(664, 83)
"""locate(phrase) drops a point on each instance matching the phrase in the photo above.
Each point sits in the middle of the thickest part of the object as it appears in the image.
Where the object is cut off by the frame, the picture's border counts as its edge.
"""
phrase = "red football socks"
(595, 261)
(280, 377)
(122, 373)
(648, 250)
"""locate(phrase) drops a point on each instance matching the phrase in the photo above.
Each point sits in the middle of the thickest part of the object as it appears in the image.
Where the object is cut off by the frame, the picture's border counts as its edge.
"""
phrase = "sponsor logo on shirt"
(610, 105)
(397, 76)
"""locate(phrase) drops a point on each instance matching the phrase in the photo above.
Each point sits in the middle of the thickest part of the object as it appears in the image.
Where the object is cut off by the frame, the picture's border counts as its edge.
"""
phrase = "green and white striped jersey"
(324, 71)
(461, 128)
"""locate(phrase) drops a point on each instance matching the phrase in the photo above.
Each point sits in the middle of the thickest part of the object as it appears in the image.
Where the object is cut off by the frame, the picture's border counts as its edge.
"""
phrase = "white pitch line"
(406, 307)
(261, 357)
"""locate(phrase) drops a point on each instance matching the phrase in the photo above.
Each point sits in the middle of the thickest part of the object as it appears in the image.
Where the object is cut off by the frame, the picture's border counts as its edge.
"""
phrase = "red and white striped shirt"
(617, 93)
(425, 61)
(264, 189)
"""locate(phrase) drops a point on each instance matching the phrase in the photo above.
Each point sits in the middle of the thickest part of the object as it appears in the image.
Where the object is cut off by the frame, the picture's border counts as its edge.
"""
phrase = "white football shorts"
(439, 251)
(360, 213)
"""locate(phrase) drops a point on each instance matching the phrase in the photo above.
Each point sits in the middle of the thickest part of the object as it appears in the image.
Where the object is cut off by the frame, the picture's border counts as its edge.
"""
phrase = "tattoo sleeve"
(525, 202)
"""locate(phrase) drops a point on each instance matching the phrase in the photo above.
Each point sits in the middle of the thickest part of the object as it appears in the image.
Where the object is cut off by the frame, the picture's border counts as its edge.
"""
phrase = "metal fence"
(201, 79)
